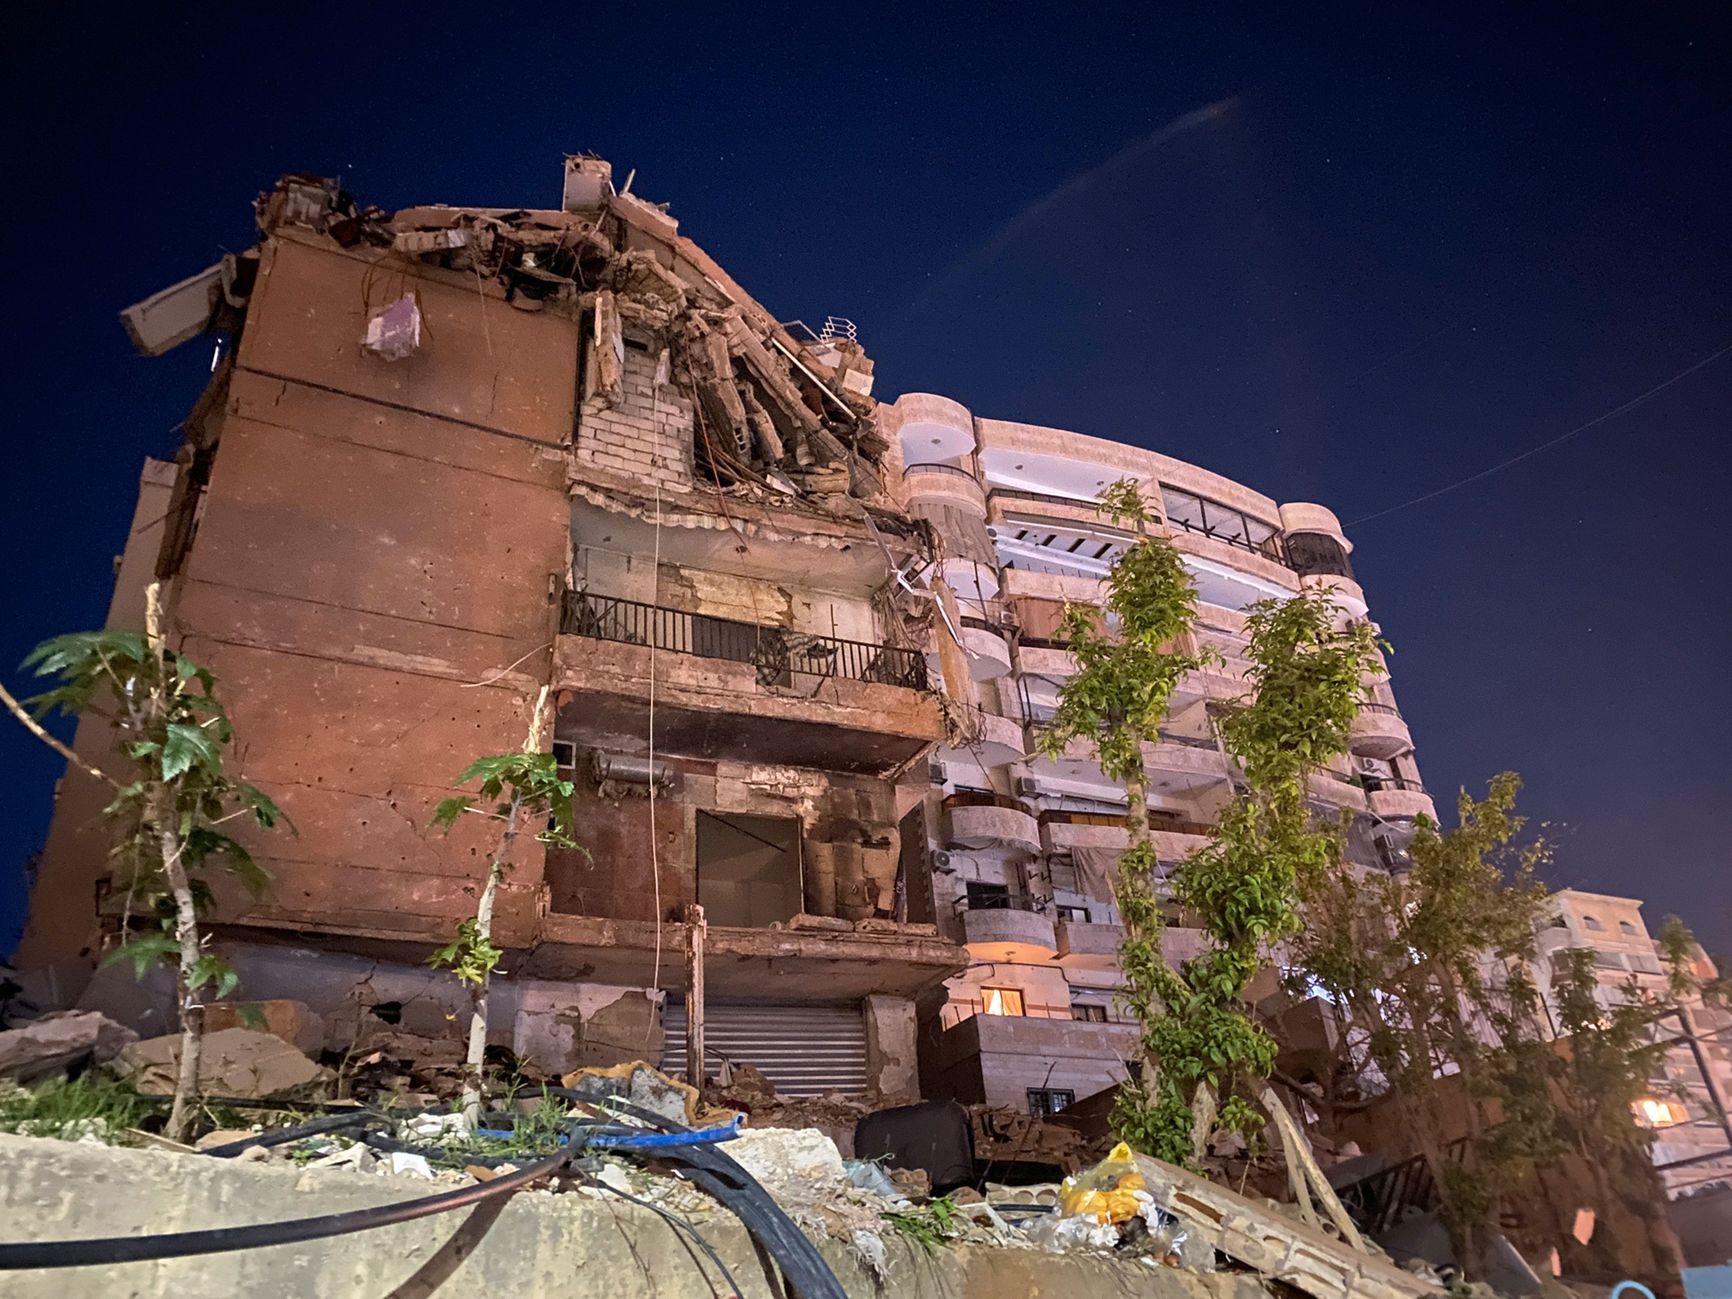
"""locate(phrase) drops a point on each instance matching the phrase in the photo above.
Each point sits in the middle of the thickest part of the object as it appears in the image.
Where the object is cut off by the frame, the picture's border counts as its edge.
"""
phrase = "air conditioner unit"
(941, 861)
(935, 773)
(1027, 786)
(1007, 618)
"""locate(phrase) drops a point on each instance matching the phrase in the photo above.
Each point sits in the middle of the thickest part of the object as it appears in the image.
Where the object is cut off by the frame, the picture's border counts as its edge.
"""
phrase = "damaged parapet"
(769, 414)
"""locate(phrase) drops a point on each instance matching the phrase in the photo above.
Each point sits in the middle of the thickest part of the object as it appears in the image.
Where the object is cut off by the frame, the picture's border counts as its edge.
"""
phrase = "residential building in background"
(1024, 849)
(1686, 1108)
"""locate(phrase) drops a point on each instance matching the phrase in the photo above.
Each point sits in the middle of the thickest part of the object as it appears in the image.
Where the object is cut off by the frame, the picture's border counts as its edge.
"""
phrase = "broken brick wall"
(848, 839)
(646, 435)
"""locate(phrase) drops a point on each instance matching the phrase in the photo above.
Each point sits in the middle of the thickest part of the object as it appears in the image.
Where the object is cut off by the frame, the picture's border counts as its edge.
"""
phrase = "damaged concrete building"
(799, 642)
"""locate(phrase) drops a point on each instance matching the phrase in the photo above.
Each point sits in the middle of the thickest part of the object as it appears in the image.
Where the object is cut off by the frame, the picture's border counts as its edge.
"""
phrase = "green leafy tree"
(168, 806)
(516, 790)
(1308, 665)
(1426, 973)
(1127, 666)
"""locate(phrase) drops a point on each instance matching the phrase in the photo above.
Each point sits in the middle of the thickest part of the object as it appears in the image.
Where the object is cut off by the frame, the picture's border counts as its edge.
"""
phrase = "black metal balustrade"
(1388, 709)
(778, 653)
(940, 469)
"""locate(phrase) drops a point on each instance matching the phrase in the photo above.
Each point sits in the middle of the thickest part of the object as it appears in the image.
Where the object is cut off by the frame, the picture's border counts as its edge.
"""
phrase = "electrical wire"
(218, 1240)
(1548, 445)
(678, 1222)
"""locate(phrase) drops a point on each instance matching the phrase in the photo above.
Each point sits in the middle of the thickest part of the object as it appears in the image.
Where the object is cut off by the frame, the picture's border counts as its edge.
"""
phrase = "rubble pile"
(773, 416)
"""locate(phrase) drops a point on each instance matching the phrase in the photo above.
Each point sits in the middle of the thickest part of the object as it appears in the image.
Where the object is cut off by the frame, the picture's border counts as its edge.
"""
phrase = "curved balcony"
(1180, 764)
(983, 821)
(1398, 799)
(1338, 790)
(1001, 742)
(944, 484)
(930, 427)
(1379, 732)
(1085, 946)
(988, 653)
(1346, 593)
(969, 579)
(1008, 934)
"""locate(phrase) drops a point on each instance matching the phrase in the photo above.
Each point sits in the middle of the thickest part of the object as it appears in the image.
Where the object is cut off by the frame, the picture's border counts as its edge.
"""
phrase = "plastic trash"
(1107, 1192)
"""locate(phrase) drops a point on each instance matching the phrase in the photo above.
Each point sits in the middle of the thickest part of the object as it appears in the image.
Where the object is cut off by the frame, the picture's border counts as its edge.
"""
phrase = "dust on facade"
(801, 643)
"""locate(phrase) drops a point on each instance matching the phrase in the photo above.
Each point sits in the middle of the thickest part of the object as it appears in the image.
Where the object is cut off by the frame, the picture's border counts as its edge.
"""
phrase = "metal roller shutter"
(802, 1050)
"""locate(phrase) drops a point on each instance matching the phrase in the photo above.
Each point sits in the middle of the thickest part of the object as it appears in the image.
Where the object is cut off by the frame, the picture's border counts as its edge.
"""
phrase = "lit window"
(1002, 1001)
(1654, 1113)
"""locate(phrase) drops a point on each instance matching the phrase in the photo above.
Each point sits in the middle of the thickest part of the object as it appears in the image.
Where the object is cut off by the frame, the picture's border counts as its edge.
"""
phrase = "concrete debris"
(395, 332)
(223, 1137)
(240, 1062)
(57, 1041)
(403, 1163)
(293, 1021)
(798, 1162)
(638, 1083)
(357, 1157)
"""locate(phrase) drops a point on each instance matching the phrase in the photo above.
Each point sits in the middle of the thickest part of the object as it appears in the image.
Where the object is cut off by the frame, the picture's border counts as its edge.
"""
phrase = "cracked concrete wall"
(376, 538)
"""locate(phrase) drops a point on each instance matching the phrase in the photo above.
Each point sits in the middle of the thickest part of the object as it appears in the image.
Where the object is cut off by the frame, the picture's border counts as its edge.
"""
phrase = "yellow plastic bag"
(1107, 1192)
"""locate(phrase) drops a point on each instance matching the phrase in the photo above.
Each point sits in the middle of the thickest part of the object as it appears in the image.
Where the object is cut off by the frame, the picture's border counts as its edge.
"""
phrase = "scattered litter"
(405, 1164)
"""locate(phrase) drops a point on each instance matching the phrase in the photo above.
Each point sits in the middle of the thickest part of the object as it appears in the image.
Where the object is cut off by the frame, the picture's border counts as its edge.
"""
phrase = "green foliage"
(471, 956)
(93, 1104)
(174, 732)
(928, 1225)
(528, 781)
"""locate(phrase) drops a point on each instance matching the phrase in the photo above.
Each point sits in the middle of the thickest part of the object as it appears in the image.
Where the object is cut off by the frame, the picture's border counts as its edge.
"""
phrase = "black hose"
(182, 1244)
(678, 1222)
(282, 1136)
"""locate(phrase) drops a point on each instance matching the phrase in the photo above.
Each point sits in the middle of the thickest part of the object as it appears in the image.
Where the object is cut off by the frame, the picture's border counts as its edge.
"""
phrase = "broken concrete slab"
(240, 1062)
(293, 1021)
(57, 1041)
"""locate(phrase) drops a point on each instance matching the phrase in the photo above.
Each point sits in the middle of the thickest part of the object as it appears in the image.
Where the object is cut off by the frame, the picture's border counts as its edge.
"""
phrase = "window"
(564, 753)
(987, 897)
(748, 869)
(1075, 915)
(1088, 1012)
(1001, 1001)
(1650, 1112)
(1589, 922)
(1625, 927)
(1044, 1102)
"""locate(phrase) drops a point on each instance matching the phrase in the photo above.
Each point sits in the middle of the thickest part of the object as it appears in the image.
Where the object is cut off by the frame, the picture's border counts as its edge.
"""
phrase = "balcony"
(1087, 946)
(988, 652)
(929, 427)
(945, 485)
(981, 821)
(1394, 798)
(729, 689)
(1380, 732)
(1007, 929)
(998, 743)
(1338, 789)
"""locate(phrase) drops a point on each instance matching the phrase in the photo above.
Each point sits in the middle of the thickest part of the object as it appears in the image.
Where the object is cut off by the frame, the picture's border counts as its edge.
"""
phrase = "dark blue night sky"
(1376, 252)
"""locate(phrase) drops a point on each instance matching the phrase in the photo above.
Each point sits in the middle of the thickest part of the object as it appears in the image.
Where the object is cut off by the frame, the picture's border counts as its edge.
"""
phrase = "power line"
(1546, 446)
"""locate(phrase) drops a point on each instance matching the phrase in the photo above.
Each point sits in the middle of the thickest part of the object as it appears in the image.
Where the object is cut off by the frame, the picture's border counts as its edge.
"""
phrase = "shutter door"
(802, 1050)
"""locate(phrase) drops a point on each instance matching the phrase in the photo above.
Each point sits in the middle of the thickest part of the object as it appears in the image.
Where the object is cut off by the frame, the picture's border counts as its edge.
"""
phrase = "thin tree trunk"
(1137, 835)
(478, 996)
(186, 933)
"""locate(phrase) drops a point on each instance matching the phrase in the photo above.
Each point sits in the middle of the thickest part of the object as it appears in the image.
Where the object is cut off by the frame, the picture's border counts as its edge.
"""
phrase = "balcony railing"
(1157, 824)
(1211, 519)
(776, 652)
(1374, 783)
(939, 469)
(958, 1009)
(996, 902)
(1046, 498)
(984, 798)
(1389, 710)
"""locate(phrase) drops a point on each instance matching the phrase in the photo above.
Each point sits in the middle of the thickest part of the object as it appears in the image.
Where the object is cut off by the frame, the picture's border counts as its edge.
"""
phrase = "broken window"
(748, 869)
(1088, 1012)
(1044, 1102)
(1001, 1001)
(987, 897)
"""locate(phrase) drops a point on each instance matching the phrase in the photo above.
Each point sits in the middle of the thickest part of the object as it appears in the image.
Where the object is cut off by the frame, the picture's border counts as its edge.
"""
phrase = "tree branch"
(35, 728)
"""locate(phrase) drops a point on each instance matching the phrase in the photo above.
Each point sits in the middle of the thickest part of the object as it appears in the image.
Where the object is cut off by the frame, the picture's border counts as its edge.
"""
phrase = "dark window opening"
(1044, 1102)
(748, 869)
(987, 897)
(1088, 1012)
(1318, 554)
(1075, 915)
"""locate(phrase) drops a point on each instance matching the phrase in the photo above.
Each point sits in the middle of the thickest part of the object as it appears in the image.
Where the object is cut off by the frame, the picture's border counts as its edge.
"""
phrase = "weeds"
(93, 1105)
(928, 1225)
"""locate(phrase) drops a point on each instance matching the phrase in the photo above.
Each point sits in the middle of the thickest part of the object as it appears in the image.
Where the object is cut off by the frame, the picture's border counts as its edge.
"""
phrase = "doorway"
(748, 869)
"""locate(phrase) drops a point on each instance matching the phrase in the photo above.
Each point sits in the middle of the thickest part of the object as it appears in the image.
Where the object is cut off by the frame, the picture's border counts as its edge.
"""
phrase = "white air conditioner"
(941, 861)
(1027, 786)
(1007, 618)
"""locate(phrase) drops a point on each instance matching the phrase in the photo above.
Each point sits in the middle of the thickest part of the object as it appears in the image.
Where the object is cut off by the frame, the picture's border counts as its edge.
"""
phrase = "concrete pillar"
(892, 1064)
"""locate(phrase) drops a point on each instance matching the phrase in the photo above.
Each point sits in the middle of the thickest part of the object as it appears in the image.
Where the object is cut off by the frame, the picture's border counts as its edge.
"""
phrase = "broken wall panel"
(483, 362)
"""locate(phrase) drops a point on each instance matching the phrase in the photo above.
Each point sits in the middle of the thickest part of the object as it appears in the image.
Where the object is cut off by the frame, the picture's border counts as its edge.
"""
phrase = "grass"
(929, 1225)
(94, 1103)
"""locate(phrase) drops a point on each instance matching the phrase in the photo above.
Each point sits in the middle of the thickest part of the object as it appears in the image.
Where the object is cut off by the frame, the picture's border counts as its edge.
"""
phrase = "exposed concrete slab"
(536, 1244)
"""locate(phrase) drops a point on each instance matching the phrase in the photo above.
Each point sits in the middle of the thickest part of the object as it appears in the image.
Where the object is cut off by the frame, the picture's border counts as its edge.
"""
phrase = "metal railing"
(1157, 824)
(1047, 498)
(1386, 1197)
(957, 1010)
(940, 469)
(1374, 783)
(997, 902)
(1389, 710)
(984, 798)
(778, 653)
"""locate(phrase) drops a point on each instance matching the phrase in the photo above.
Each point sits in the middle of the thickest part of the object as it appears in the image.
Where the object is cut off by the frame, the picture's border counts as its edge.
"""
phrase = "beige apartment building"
(1693, 1086)
(1023, 848)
